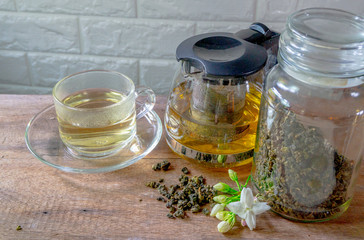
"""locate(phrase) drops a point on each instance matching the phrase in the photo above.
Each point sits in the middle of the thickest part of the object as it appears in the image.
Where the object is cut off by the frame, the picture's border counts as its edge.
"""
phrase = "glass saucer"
(43, 141)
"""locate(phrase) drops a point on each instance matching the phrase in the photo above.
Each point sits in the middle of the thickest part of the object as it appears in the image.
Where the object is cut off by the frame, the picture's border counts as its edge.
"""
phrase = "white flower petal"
(247, 197)
(237, 208)
(250, 220)
(260, 207)
(243, 196)
(223, 227)
(217, 208)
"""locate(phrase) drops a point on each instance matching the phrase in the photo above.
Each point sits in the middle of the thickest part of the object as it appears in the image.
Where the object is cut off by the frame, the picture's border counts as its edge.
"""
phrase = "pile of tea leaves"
(298, 171)
(191, 194)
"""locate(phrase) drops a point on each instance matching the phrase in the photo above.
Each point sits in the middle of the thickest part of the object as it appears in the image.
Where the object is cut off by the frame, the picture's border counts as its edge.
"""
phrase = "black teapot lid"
(225, 54)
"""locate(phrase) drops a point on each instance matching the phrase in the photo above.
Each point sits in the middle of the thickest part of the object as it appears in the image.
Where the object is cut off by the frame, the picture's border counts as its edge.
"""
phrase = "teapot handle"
(260, 34)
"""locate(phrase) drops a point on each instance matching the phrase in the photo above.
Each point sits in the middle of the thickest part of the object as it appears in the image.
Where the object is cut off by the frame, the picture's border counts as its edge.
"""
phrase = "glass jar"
(310, 140)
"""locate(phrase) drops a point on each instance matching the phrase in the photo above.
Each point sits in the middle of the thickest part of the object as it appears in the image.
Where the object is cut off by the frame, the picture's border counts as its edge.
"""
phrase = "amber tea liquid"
(95, 124)
(221, 138)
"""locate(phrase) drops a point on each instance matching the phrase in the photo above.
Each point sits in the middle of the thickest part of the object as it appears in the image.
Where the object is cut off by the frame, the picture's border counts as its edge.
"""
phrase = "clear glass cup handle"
(144, 100)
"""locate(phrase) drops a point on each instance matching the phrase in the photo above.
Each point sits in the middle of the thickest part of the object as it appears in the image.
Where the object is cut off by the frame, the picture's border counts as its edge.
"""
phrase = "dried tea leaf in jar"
(311, 125)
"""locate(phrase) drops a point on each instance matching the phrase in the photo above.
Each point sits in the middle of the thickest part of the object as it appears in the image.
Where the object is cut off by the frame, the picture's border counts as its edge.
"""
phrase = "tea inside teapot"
(213, 106)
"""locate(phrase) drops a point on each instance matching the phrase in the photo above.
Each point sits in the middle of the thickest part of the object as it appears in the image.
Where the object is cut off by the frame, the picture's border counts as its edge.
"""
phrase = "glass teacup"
(96, 112)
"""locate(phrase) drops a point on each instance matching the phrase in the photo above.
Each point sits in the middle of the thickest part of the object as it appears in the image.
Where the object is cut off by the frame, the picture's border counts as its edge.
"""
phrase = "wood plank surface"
(50, 204)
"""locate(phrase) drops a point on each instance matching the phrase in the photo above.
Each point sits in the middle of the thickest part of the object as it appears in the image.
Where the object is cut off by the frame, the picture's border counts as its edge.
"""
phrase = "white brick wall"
(42, 41)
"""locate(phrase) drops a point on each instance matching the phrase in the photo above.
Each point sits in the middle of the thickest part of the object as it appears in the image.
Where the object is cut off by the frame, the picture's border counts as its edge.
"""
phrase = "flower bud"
(221, 158)
(224, 226)
(220, 198)
(224, 215)
(221, 215)
(216, 209)
(233, 175)
(222, 187)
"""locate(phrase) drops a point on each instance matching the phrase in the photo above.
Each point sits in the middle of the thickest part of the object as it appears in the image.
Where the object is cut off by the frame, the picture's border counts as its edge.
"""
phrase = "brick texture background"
(42, 41)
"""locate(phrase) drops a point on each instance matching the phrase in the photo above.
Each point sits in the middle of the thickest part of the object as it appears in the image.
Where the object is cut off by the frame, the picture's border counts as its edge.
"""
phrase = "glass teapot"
(213, 106)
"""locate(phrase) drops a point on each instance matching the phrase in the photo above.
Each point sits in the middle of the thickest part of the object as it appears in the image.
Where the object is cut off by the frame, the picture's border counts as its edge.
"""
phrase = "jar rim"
(324, 41)
(328, 25)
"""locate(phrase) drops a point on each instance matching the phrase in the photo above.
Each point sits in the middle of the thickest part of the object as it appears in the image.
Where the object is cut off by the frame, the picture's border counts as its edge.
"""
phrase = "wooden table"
(50, 204)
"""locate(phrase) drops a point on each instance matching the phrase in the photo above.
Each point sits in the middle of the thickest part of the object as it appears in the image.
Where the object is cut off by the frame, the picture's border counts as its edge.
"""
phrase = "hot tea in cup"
(96, 112)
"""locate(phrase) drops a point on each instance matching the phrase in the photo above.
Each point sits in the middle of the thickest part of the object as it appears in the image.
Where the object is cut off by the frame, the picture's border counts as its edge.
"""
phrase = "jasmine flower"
(247, 208)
